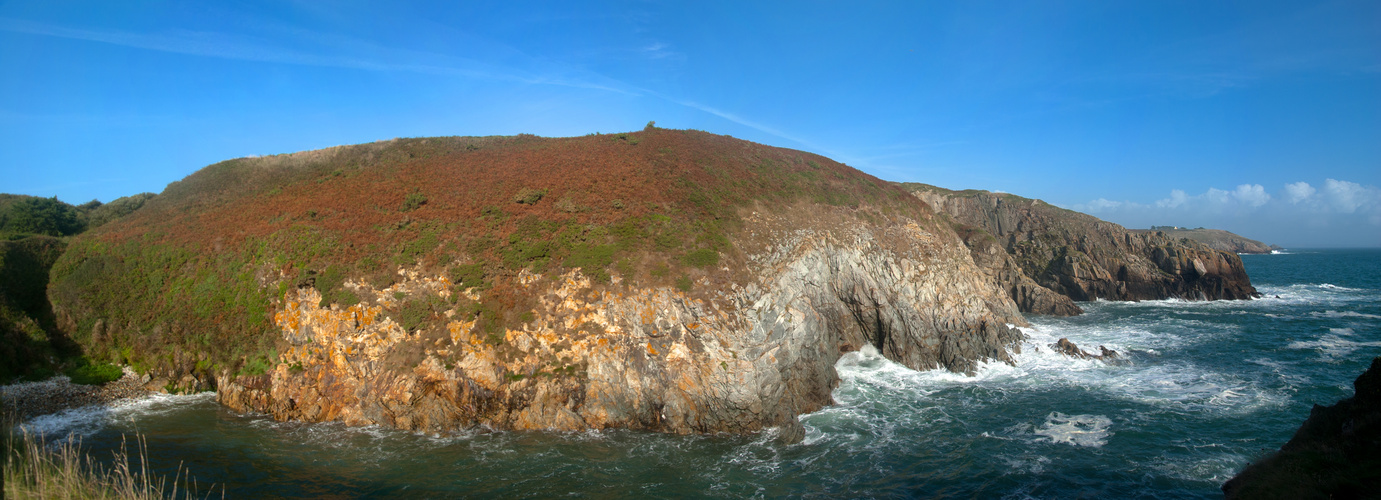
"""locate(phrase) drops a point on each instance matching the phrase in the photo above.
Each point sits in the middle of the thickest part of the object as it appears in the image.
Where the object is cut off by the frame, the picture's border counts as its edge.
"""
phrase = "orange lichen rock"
(740, 357)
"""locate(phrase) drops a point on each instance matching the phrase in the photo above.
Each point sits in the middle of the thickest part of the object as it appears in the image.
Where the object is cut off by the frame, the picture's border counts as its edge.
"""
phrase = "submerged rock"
(1067, 348)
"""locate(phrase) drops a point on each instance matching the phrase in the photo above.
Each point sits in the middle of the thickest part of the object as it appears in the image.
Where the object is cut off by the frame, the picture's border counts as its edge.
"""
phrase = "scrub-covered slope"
(668, 280)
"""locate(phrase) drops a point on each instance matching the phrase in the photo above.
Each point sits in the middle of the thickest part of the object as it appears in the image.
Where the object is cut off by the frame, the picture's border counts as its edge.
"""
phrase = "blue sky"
(1259, 117)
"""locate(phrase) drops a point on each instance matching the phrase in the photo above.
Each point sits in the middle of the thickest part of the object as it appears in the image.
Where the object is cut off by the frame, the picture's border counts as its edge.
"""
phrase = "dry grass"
(36, 469)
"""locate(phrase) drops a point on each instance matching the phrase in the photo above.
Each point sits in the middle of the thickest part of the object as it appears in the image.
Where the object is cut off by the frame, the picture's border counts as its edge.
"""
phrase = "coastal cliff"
(735, 358)
(666, 280)
(1080, 257)
(1336, 453)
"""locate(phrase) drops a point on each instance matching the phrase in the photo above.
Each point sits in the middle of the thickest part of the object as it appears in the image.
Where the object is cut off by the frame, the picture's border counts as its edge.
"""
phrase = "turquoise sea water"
(1209, 386)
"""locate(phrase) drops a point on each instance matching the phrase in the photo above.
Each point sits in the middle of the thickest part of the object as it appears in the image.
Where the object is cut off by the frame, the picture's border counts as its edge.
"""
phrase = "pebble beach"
(23, 401)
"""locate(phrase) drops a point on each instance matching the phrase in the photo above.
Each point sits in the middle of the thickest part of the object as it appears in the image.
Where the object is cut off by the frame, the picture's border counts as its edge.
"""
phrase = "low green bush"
(413, 201)
(703, 257)
(529, 196)
(87, 373)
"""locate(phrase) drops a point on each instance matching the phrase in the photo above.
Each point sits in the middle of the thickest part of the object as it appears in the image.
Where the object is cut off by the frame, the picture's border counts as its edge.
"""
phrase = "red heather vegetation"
(189, 282)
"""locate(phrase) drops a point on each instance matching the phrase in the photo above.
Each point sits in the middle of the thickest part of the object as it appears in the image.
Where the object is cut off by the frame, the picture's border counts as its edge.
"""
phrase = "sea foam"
(1078, 430)
(88, 420)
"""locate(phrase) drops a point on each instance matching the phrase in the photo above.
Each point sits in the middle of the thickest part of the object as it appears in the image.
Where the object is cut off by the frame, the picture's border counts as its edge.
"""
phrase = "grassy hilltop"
(189, 283)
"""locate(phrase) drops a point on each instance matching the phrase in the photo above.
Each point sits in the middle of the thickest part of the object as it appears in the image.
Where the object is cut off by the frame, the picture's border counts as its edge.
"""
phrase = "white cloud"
(1348, 197)
(1252, 194)
(1334, 213)
(1296, 192)
(1102, 205)
(1176, 199)
(1218, 197)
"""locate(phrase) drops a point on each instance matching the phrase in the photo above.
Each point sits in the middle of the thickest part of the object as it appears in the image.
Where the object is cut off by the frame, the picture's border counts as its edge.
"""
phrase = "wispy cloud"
(364, 56)
(356, 54)
(658, 50)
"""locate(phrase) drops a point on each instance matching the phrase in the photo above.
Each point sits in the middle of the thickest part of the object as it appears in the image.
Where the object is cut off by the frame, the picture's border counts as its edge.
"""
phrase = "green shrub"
(413, 202)
(529, 196)
(340, 296)
(683, 283)
(703, 257)
(43, 216)
(260, 364)
(592, 259)
(86, 373)
(415, 313)
(469, 276)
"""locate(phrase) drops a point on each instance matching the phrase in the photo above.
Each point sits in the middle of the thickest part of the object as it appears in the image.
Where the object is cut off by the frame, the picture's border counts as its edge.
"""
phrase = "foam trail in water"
(88, 420)
(1331, 314)
(1078, 430)
(1332, 345)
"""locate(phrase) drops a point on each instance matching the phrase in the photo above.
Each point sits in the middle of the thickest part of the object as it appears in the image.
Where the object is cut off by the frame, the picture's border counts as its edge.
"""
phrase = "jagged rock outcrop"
(1336, 453)
(1084, 258)
(741, 358)
(1002, 269)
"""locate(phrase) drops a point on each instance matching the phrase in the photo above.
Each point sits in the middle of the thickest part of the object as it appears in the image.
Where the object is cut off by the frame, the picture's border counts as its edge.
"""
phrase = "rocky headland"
(1047, 257)
(1216, 239)
(666, 280)
(1336, 453)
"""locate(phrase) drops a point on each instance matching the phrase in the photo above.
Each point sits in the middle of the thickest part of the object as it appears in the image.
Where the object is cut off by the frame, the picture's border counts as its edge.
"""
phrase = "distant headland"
(1216, 239)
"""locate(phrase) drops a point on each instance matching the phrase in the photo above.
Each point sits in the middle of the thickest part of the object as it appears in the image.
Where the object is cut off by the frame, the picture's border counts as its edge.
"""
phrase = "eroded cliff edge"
(665, 280)
(1046, 256)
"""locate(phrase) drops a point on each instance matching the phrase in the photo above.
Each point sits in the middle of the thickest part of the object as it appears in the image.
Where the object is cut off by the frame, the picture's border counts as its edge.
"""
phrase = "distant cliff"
(1216, 239)
(1336, 453)
(666, 280)
(1080, 257)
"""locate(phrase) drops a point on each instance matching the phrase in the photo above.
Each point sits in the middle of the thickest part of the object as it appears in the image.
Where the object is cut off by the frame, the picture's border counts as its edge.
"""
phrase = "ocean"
(1206, 388)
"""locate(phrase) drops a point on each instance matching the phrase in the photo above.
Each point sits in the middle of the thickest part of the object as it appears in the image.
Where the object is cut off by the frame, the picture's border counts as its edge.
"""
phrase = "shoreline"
(25, 401)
